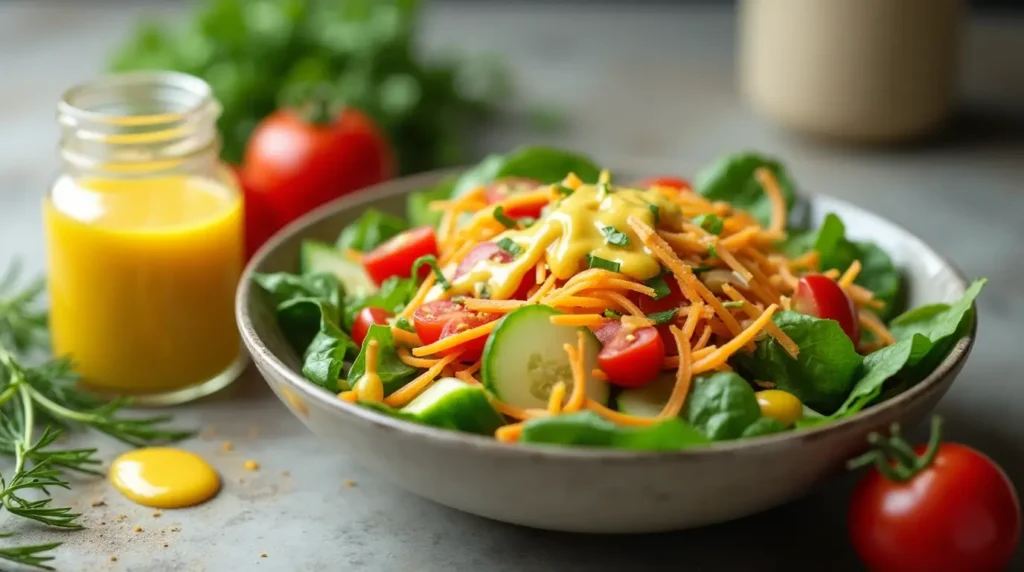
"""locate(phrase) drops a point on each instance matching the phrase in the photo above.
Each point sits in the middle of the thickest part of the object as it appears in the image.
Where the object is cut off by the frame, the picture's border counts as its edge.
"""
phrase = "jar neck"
(139, 125)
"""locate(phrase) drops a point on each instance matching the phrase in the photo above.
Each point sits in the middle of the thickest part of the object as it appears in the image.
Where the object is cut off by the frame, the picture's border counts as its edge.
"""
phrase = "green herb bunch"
(259, 55)
(38, 402)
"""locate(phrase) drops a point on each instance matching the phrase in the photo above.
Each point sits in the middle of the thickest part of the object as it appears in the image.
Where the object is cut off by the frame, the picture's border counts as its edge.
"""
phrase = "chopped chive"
(656, 212)
(510, 246)
(612, 314)
(602, 190)
(527, 221)
(732, 304)
(404, 324)
(564, 190)
(598, 262)
(659, 286)
(701, 268)
(665, 317)
(500, 216)
(431, 261)
(712, 253)
(485, 291)
(709, 222)
(614, 236)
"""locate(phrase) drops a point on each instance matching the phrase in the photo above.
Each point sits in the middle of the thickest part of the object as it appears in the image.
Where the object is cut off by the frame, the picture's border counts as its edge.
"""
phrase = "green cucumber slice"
(451, 403)
(646, 401)
(317, 257)
(524, 358)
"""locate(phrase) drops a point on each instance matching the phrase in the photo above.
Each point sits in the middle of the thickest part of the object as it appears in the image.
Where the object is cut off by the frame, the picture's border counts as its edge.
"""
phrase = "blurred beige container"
(869, 71)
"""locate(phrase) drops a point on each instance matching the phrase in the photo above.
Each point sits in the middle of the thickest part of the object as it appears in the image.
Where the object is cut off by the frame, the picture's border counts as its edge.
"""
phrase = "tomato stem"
(319, 107)
(894, 458)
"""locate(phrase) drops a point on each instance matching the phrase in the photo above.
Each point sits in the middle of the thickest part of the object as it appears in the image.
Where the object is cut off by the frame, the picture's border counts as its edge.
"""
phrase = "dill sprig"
(44, 395)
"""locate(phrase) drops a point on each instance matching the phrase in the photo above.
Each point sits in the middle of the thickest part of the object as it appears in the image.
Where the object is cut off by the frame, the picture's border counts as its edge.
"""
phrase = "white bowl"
(581, 489)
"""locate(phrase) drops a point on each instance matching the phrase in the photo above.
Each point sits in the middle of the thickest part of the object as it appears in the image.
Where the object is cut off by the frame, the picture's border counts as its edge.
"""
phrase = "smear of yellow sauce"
(164, 477)
(571, 230)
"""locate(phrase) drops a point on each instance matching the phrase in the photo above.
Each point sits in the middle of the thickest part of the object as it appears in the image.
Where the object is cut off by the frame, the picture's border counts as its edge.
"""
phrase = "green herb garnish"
(510, 246)
(564, 190)
(709, 222)
(656, 212)
(44, 396)
(659, 286)
(598, 262)
(712, 253)
(431, 261)
(614, 236)
(404, 324)
(701, 268)
(732, 304)
(612, 314)
(500, 216)
(665, 317)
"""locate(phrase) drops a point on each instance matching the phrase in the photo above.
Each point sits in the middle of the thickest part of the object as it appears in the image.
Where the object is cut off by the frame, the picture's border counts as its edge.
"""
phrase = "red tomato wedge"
(674, 299)
(366, 318)
(442, 318)
(630, 358)
(396, 256)
(671, 182)
(820, 296)
(954, 509)
(501, 190)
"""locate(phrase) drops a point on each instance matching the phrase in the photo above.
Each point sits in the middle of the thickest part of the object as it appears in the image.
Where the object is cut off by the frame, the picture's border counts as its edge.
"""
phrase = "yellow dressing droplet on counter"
(164, 477)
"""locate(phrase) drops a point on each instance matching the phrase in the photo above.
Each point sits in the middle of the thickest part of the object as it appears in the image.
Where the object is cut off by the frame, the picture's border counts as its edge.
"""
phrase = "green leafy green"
(417, 204)
(372, 228)
(302, 303)
(823, 373)
(763, 426)
(544, 164)
(324, 358)
(732, 179)
(258, 56)
(664, 317)
(879, 367)
(877, 274)
(603, 263)
(721, 405)
(709, 222)
(590, 429)
(659, 286)
(393, 372)
(612, 314)
(431, 261)
(614, 236)
(392, 296)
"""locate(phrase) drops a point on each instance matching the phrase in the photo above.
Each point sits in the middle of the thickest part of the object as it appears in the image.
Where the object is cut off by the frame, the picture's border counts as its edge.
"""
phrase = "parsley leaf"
(614, 236)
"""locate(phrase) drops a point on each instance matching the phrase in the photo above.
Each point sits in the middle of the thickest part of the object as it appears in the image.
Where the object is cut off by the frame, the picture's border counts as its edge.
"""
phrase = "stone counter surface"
(651, 90)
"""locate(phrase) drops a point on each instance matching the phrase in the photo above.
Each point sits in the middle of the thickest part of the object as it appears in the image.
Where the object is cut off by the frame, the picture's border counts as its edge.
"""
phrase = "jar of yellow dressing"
(144, 240)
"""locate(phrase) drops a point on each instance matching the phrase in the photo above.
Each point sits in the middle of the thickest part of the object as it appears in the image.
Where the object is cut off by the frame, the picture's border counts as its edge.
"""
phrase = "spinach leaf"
(877, 274)
(302, 303)
(731, 179)
(544, 164)
(879, 367)
(587, 428)
(763, 426)
(721, 405)
(393, 372)
(324, 358)
(392, 296)
(824, 372)
(417, 205)
(936, 321)
(369, 230)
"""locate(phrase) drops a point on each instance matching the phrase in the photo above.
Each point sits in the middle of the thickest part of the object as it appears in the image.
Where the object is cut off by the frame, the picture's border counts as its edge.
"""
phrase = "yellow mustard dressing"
(569, 232)
(164, 477)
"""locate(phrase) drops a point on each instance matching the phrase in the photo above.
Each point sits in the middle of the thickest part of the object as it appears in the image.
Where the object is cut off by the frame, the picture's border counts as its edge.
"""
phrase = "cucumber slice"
(524, 358)
(646, 401)
(319, 257)
(451, 403)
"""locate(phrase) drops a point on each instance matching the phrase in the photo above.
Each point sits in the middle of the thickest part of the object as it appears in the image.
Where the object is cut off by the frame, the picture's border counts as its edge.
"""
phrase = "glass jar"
(144, 240)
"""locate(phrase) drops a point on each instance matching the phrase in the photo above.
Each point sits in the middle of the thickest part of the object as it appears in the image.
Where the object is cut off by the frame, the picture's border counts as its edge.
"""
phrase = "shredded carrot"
(703, 340)
(733, 263)
(421, 295)
(771, 188)
(348, 396)
(617, 417)
(572, 181)
(541, 272)
(458, 253)
(684, 376)
(509, 433)
(833, 274)
(623, 303)
(406, 338)
(598, 375)
(584, 302)
(774, 331)
(579, 376)
(850, 275)
(740, 239)
(543, 290)
(353, 255)
(467, 377)
(808, 260)
(695, 312)
(409, 391)
(556, 398)
(454, 340)
(492, 306)
(409, 360)
(636, 322)
(721, 355)
(870, 322)
(584, 320)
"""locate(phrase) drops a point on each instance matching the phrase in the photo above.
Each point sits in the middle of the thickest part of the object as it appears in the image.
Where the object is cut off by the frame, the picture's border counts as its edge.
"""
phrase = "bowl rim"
(404, 185)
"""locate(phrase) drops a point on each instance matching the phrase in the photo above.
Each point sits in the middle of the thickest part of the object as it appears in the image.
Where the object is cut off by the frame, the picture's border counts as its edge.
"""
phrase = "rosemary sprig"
(44, 395)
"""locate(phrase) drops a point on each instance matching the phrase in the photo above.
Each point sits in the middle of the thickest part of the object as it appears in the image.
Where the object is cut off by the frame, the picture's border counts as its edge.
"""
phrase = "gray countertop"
(650, 89)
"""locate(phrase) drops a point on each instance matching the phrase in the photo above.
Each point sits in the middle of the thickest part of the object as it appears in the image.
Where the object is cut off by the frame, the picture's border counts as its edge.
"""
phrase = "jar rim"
(73, 108)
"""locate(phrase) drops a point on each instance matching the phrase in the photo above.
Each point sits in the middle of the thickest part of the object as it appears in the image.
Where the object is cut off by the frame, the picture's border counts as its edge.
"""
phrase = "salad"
(537, 299)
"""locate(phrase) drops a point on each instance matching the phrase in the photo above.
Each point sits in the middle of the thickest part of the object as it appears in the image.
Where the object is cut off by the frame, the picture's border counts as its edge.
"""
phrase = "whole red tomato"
(259, 218)
(947, 508)
(298, 163)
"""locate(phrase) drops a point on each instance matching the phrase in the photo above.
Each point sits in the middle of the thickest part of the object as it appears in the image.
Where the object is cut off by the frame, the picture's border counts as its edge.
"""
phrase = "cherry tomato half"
(630, 358)
(961, 512)
(395, 256)
(366, 318)
(671, 182)
(501, 190)
(674, 299)
(442, 318)
(491, 251)
(820, 296)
